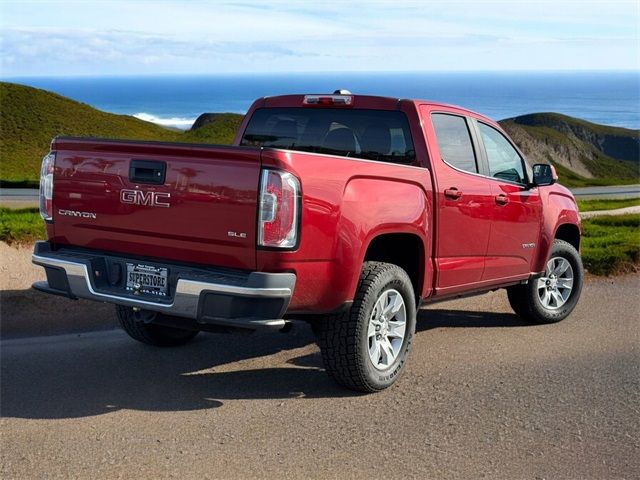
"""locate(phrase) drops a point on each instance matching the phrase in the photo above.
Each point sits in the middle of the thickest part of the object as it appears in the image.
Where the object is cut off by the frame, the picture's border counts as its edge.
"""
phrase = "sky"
(206, 37)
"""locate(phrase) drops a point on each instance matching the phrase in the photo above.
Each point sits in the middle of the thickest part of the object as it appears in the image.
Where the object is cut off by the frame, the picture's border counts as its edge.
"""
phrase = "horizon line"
(325, 72)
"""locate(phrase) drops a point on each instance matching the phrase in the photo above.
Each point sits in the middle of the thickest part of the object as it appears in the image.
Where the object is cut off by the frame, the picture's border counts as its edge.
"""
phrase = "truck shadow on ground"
(440, 318)
(92, 374)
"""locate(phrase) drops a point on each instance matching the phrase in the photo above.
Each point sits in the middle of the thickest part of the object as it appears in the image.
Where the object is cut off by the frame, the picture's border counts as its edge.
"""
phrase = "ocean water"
(611, 98)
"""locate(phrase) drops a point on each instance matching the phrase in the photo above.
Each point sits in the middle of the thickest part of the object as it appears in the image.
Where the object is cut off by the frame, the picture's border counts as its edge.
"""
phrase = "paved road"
(19, 197)
(22, 194)
(484, 395)
(615, 191)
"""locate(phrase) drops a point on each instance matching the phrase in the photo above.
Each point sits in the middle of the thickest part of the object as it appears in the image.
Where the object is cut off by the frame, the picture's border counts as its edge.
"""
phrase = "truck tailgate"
(187, 203)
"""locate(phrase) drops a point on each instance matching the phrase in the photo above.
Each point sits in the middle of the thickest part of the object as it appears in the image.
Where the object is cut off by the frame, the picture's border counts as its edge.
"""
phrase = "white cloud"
(211, 37)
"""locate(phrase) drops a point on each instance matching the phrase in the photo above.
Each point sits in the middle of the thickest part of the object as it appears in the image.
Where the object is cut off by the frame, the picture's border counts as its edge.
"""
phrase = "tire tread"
(338, 334)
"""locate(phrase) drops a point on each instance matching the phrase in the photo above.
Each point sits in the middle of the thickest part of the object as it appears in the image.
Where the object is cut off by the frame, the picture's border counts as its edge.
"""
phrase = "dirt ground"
(484, 395)
(26, 312)
(16, 270)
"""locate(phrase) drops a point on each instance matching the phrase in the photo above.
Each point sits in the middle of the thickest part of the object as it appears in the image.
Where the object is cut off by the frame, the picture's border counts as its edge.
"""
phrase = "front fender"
(560, 208)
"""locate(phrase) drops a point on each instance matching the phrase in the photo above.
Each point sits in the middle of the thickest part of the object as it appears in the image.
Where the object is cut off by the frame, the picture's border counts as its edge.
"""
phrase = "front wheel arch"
(570, 233)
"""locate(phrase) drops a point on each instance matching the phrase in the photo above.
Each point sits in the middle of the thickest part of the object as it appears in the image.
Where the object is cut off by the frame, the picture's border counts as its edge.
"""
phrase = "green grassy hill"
(30, 118)
(214, 128)
(584, 153)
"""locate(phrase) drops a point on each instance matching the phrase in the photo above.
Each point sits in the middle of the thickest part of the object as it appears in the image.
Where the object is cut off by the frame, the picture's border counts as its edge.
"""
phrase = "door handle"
(452, 193)
(147, 171)
(502, 199)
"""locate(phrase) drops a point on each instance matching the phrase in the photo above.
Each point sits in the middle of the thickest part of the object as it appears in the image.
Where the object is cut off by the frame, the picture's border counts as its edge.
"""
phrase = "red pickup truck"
(344, 210)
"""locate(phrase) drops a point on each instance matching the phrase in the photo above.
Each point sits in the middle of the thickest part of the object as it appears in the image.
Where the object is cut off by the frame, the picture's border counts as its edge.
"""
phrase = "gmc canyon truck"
(347, 211)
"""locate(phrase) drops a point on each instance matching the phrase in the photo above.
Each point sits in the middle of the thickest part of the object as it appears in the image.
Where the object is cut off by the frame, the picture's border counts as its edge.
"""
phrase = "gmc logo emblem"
(151, 199)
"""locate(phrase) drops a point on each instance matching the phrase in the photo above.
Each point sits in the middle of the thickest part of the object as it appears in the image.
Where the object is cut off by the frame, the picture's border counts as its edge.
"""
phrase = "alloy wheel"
(387, 328)
(555, 286)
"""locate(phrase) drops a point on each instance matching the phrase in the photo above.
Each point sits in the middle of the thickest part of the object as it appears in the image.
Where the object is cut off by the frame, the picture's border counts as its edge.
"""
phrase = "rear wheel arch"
(406, 250)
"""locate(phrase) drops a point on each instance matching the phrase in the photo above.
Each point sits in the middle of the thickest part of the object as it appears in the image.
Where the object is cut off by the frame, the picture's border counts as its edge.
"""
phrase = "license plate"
(147, 279)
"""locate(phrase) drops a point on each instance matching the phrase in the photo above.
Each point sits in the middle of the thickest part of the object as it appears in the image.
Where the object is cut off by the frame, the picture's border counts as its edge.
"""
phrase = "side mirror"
(544, 174)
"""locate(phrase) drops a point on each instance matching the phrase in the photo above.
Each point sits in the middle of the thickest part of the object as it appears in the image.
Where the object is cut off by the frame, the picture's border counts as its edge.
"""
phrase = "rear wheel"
(553, 296)
(365, 348)
(139, 325)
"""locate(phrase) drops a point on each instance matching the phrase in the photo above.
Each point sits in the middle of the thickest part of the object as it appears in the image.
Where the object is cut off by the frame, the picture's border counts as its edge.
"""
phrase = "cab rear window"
(379, 135)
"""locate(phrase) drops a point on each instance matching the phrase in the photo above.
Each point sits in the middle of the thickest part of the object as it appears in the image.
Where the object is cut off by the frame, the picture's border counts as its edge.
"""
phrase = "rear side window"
(381, 135)
(504, 161)
(454, 141)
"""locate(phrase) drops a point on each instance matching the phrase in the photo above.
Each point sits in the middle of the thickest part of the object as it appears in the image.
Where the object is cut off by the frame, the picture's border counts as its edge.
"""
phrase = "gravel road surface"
(483, 396)
(616, 211)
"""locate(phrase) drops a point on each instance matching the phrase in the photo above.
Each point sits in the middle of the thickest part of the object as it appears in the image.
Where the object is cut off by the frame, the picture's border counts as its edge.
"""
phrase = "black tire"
(343, 338)
(138, 326)
(526, 302)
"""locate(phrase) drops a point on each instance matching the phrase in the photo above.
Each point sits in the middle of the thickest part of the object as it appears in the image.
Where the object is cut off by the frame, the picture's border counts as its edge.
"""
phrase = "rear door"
(463, 201)
(188, 203)
(516, 210)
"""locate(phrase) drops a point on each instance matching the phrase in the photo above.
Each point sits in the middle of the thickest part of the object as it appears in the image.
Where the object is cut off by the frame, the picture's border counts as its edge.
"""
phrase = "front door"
(516, 212)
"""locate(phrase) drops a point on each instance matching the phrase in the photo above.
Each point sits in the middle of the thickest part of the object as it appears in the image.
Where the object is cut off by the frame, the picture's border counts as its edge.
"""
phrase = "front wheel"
(365, 349)
(553, 296)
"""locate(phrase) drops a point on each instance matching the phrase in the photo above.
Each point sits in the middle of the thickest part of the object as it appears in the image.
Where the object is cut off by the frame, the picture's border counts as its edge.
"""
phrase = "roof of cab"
(362, 101)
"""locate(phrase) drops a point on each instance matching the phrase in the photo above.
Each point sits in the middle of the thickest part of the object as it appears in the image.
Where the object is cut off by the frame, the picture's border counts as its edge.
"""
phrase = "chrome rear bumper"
(209, 296)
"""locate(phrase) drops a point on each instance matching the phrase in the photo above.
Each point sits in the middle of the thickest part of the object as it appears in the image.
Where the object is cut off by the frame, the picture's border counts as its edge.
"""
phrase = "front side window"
(381, 135)
(454, 141)
(504, 161)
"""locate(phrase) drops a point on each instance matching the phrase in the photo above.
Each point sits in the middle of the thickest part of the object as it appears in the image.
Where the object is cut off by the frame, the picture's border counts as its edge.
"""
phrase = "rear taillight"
(279, 209)
(46, 187)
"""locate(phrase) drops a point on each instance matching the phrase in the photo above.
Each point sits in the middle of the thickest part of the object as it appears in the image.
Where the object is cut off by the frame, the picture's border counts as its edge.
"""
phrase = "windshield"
(381, 135)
